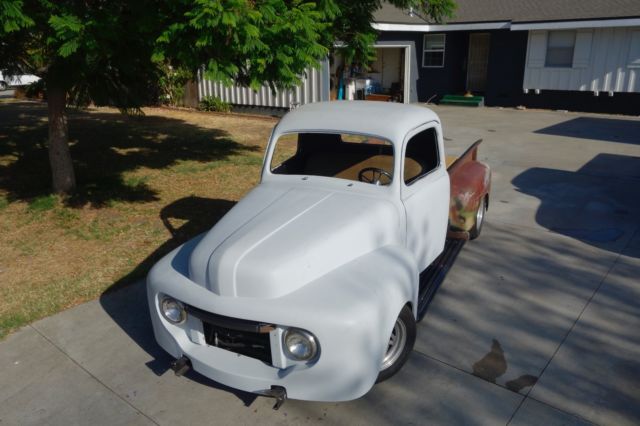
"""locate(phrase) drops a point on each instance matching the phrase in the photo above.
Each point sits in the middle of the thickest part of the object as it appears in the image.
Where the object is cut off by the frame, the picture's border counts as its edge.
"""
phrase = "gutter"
(508, 25)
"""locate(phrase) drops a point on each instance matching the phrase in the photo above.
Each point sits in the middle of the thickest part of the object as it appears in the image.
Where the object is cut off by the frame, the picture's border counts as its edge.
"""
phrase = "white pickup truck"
(312, 284)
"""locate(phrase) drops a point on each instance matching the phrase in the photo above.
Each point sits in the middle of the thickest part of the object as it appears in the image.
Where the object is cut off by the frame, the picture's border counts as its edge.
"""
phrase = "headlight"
(172, 310)
(299, 345)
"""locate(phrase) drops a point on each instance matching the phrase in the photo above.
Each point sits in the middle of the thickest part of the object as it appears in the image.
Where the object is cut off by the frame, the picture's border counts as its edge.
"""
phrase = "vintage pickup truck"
(312, 284)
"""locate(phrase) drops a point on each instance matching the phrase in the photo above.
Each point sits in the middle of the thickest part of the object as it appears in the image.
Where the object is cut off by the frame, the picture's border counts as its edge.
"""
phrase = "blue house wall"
(505, 69)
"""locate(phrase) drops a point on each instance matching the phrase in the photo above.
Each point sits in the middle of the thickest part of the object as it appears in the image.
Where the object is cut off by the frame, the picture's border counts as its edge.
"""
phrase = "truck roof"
(388, 120)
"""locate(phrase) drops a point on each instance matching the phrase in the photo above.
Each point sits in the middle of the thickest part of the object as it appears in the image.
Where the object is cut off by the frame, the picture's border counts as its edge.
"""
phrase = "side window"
(633, 60)
(421, 156)
(284, 153)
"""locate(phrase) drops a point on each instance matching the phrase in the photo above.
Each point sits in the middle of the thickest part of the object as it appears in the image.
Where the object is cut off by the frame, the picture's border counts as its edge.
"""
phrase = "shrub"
(34, 90)
(171, 83)
(212, 103)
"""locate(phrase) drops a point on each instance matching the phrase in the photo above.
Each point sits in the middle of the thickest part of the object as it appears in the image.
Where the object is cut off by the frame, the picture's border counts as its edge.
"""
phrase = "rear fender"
(470, 183)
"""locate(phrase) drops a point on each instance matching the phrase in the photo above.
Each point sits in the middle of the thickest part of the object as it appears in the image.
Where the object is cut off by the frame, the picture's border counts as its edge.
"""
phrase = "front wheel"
(3, 85)
(403, 337)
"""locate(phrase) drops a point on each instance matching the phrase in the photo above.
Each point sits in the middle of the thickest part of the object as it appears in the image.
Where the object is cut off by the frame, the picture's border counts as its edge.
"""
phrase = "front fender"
(374, 287)
(351, 310)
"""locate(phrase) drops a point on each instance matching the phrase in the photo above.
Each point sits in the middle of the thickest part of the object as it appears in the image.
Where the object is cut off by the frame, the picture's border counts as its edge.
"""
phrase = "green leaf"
(65, 23)
(68, 48)
(12, 16)
(158, 57)
(229, 19)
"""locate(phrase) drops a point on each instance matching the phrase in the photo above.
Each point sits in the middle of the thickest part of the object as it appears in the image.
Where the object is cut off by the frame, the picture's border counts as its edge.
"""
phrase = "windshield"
(341, 155)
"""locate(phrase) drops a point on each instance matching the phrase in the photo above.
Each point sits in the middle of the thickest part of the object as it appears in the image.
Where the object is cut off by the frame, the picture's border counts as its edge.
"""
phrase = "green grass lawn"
(145, 185)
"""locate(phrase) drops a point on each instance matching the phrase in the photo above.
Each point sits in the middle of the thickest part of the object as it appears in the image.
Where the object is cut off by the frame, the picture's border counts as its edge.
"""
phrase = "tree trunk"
(64, 179)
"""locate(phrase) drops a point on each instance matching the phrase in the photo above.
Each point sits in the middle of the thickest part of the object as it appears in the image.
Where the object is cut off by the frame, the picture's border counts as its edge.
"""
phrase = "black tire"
(3, 85)
(405, 324)
(479, 219)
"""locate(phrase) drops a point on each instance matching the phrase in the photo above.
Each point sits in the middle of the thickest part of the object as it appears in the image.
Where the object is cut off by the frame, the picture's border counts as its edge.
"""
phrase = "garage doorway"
(478, 61)
(387, 78)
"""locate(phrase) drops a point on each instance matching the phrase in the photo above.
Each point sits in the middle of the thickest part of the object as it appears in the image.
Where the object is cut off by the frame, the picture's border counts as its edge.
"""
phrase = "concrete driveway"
(537, 323)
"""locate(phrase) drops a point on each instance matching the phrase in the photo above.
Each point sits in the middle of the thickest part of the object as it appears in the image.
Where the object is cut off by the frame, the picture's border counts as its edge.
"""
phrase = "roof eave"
(576, 24)
(426, 28)
(508, 25)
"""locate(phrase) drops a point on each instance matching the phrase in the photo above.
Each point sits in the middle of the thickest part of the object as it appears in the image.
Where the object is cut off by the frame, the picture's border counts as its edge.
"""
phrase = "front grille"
(254, 345)
(249, 338)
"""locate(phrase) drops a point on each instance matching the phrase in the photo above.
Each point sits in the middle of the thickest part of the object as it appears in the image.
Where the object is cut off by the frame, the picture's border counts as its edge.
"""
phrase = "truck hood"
(278, 239)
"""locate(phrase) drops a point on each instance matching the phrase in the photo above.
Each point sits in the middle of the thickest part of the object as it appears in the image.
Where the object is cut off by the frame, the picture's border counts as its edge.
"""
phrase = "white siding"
(604, 60)
(314, 88)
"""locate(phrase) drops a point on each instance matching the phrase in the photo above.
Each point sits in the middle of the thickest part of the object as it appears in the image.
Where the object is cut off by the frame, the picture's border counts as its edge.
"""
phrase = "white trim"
(505, 25)
(569, 25)
(406, 89)
(428, 28)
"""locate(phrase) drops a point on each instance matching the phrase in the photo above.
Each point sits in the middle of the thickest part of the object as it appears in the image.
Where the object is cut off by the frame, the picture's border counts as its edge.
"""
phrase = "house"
(581, 55)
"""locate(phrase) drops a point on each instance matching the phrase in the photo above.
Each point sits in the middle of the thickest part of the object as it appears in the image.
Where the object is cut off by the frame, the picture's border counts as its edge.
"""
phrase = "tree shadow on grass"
(103, 147)
(185, 219)
(128, 307)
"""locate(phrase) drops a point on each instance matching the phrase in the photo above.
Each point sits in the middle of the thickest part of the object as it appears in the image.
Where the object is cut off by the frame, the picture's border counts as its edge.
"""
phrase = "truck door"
(425, 192)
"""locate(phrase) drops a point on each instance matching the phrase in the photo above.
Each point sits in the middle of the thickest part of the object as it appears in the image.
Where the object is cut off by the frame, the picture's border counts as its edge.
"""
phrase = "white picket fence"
(314, 88)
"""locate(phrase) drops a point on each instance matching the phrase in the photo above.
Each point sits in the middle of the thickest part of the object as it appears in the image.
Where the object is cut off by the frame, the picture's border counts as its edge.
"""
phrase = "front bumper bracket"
(181, 366)
(277, 392)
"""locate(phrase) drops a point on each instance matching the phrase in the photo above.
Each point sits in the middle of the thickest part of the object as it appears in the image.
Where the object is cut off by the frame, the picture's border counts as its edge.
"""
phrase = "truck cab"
(406, 169)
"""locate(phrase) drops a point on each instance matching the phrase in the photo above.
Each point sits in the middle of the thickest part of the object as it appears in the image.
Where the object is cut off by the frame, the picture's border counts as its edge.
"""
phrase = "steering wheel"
(373, 175)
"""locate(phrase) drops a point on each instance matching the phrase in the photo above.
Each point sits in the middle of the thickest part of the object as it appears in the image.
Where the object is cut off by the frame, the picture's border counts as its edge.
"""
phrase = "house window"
(633, 60)
(433, 53)
(560, 46)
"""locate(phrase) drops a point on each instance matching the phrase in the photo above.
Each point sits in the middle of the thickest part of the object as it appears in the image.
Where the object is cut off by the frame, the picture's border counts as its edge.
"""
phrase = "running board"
(432, 277)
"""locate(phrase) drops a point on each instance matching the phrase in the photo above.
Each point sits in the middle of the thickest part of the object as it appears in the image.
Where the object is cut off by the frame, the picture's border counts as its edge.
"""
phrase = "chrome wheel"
(477, 226)
(396, 344)
(403, 337)
(480, 213)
